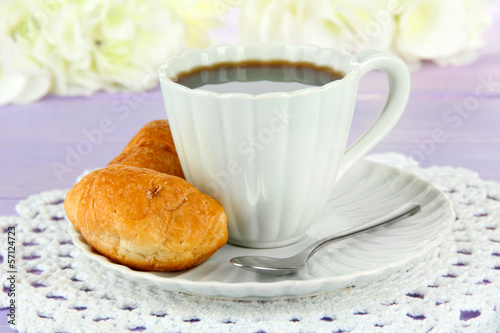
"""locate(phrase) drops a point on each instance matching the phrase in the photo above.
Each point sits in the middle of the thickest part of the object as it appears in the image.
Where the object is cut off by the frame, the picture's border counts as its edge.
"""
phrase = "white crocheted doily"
(456, 288)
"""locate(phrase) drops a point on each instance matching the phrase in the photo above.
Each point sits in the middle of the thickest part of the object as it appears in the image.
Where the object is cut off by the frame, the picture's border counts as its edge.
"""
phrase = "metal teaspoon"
(284, 266)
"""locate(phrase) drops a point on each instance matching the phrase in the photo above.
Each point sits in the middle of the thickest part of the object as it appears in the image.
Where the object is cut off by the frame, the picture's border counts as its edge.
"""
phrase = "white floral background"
(69, 47)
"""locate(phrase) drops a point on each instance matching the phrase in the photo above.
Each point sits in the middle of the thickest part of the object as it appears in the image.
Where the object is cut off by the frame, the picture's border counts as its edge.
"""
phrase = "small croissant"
(135, 213)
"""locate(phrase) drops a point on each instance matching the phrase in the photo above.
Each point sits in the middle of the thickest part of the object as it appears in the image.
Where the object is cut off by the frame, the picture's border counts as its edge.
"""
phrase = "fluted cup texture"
(271, 160)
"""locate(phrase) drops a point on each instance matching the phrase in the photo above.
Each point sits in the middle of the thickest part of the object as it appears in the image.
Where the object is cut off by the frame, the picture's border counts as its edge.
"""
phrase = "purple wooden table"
(46, 145)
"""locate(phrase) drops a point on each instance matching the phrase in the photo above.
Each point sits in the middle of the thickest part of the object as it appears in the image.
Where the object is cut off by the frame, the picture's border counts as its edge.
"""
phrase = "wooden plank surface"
(39, 143)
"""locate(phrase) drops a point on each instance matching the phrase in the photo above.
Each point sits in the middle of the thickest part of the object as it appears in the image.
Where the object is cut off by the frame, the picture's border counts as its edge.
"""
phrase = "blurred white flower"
(448, 32)
(22, 80)
(132, 39)
(351, 26)
(342, 24)
(273, 21)
(444, 31)
(478, 21)
(69, 47)
(198, 17)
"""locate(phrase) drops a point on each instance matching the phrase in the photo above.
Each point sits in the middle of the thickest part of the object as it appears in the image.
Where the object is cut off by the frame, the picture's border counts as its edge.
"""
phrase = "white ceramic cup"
(272, 160)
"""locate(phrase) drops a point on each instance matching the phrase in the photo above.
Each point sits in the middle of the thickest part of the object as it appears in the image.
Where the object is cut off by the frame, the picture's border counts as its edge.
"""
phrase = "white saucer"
(366, 192)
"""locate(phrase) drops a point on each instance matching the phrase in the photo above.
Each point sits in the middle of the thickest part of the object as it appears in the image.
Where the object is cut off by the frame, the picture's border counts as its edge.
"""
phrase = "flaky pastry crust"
(152, 148)
(146, 219)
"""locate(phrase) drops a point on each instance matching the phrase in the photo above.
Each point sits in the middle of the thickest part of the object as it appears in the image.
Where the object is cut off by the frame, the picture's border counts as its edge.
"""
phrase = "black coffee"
(257, 77)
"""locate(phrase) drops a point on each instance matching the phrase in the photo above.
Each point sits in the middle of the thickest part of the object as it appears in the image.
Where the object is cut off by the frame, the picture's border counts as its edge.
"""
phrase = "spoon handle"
(405, 210)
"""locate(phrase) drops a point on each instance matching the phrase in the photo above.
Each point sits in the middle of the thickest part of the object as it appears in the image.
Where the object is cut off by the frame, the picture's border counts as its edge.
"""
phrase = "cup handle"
(399, 91)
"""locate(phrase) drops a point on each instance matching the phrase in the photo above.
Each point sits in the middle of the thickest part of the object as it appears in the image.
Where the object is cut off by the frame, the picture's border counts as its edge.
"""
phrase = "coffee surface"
(257, 77)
